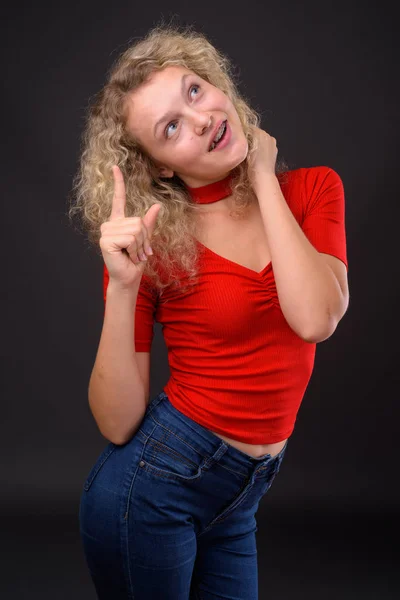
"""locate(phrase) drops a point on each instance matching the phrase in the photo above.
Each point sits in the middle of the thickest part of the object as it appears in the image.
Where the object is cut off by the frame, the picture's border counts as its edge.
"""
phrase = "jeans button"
(141, 464)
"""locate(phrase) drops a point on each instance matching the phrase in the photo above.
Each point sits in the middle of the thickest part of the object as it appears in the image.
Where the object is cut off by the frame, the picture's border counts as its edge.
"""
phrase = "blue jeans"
(170, 515)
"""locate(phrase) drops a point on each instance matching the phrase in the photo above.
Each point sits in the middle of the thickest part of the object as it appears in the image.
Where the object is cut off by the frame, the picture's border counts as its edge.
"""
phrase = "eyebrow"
(171, 113)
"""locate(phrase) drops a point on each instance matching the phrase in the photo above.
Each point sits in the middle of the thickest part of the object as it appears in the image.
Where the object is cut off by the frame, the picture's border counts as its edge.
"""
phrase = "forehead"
(156, 96)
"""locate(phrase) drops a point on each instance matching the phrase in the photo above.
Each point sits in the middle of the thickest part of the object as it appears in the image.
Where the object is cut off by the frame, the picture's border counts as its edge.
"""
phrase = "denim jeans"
(170, 515)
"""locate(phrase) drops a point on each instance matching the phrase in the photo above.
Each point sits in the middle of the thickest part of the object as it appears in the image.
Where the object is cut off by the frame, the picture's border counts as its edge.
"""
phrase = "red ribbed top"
(236, 366)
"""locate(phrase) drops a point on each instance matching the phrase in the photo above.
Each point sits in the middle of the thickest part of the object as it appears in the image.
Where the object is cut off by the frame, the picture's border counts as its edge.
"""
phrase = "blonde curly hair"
(105, 142)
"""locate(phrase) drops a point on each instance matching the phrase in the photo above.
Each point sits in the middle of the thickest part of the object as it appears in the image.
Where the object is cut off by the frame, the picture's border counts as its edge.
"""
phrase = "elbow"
(314, 335)
(118, 433)
(115, 432)
(114, 439)
(117, 438)
(318, 336)
(318, 332)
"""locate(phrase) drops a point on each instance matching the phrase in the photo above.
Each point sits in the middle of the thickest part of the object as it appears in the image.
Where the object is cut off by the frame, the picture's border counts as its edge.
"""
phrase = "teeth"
(218, 136)
(220, 132)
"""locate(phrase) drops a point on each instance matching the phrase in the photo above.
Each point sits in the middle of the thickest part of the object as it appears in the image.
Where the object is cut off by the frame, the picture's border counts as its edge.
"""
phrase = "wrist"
(262, 179)
(117, 288)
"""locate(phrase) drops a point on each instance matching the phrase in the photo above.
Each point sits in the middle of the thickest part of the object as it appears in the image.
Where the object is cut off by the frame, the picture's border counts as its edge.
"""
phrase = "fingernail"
(150, 251)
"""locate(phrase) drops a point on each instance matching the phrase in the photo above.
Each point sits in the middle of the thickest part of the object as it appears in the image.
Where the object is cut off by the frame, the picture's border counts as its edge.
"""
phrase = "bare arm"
(117, 395)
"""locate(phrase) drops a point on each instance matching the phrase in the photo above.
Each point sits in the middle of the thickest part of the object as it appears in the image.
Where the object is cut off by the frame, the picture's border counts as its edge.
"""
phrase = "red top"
(236, 366)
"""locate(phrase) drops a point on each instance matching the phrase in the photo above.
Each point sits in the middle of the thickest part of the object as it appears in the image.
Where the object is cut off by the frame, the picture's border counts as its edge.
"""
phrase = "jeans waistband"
(165, 414)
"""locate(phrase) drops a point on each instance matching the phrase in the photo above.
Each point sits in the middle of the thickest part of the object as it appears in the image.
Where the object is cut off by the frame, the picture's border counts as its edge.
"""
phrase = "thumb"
(150, 218)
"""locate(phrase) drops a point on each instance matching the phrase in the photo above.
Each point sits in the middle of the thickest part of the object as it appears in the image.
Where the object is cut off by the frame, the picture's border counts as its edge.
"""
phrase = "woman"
(244, 264)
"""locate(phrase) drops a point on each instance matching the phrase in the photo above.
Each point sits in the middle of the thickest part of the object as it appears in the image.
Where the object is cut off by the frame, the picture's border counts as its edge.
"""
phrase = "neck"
(211, 192)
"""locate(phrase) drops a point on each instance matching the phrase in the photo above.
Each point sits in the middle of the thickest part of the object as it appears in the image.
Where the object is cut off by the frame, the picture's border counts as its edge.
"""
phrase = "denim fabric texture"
(171, 514)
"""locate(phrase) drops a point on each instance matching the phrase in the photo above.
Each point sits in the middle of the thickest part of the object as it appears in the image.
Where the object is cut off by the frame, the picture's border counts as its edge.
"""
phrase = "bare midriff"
(254, 450)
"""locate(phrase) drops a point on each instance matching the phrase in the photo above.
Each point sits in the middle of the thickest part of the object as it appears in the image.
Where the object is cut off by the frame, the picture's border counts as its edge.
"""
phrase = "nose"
(202, 123)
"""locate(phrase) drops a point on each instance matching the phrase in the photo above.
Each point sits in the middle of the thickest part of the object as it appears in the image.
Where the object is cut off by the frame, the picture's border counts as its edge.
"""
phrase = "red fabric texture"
(211, 192)
(236, 367)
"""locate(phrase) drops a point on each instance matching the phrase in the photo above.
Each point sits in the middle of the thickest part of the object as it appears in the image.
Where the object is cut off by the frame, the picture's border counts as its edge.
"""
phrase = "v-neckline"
(238, 265)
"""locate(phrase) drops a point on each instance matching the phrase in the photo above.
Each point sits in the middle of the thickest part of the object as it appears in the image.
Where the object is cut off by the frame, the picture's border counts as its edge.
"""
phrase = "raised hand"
(264, 158)
(125, 241)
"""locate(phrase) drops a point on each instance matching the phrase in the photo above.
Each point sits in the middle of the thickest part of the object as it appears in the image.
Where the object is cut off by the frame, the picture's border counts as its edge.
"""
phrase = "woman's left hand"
(264, 159)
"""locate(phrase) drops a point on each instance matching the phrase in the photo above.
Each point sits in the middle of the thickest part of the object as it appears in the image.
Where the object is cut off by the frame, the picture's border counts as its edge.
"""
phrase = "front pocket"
(167, 455)
(105, 454)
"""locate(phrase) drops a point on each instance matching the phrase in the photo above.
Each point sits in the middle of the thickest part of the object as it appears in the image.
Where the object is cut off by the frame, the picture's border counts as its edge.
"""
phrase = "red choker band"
(211, 192)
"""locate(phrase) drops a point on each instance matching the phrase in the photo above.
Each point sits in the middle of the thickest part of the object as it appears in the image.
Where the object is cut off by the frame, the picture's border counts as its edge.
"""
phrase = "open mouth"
(215, 144)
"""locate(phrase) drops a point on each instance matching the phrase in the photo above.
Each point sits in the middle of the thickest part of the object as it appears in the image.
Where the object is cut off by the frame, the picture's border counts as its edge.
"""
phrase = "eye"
(174, 122)
(194, 85)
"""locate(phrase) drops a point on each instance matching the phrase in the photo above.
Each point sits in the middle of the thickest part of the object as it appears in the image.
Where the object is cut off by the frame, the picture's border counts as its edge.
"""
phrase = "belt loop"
(220, 451)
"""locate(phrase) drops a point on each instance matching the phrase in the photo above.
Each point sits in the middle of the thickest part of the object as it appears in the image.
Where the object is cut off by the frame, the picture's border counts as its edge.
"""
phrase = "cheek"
(227, 104)
(191, 148)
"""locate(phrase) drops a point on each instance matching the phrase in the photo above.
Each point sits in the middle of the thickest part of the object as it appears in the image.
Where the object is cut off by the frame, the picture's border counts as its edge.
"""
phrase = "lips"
(214, 133)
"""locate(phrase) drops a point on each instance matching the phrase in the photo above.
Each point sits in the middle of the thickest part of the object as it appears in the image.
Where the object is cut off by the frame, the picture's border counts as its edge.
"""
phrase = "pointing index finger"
(119, 197)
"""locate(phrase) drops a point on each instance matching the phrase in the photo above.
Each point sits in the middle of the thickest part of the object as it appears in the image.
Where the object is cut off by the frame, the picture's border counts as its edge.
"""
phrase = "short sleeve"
(324, 220)
(146, 305)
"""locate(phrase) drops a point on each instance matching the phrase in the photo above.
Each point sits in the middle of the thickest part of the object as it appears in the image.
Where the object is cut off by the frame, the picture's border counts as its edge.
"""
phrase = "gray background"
(324, 76)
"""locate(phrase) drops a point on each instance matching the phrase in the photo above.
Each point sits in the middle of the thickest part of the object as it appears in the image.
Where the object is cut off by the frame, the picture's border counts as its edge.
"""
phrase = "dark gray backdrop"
(324, 76)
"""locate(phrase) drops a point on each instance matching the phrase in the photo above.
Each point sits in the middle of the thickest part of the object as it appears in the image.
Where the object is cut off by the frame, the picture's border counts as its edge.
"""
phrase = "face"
(173, 116)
